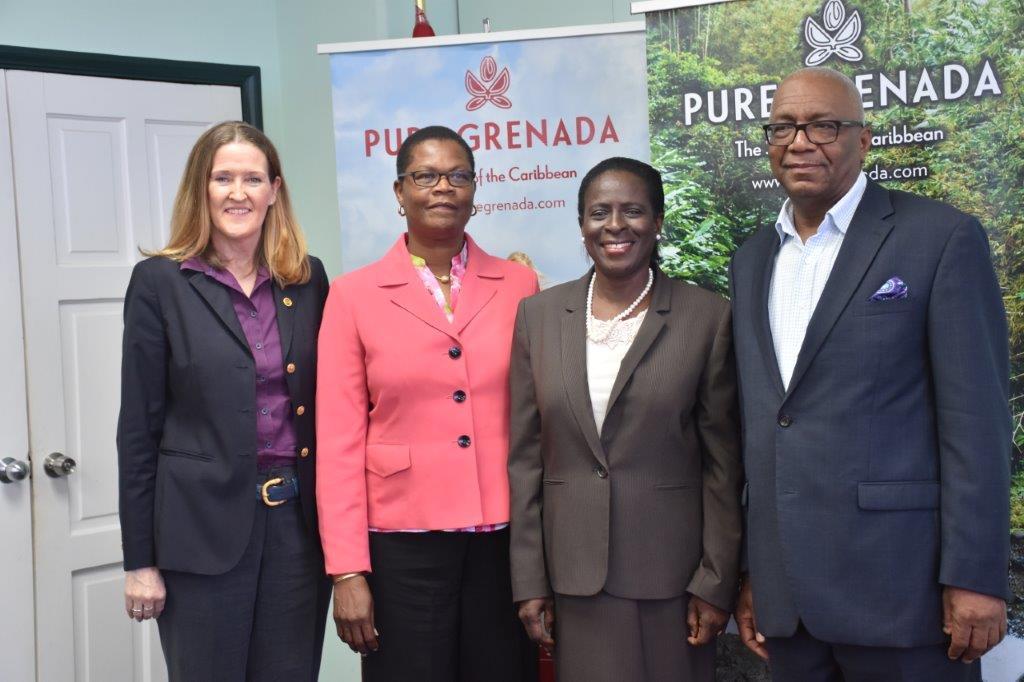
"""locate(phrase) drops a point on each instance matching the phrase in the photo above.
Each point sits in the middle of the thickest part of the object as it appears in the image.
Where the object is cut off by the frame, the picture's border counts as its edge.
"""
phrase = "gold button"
(304, 452)
(290, 368)
(300, 410)
(287, 302)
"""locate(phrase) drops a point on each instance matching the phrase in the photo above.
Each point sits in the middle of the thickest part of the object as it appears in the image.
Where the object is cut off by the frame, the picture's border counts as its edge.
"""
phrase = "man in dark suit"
(871, 348)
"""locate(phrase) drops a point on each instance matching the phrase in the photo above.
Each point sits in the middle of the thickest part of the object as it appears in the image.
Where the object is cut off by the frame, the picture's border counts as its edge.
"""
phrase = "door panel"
(169, 143)
(91, 209)
(17, 619)
(97, 163)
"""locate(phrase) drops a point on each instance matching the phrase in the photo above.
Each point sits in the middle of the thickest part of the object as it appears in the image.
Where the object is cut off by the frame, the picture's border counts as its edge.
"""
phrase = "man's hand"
(976, 622)
(538, 616)
(746, 623)
(353, 614)
(704, 620)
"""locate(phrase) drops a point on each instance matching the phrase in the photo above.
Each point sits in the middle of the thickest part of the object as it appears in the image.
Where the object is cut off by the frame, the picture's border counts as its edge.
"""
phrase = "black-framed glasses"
(817, 132)
(428, 178)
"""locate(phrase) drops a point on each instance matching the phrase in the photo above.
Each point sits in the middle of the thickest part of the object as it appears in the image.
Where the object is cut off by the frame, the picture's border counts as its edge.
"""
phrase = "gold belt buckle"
(265, 492)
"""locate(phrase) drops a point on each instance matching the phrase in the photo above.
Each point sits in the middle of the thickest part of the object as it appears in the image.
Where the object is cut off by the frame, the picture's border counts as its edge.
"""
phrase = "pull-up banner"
(538, 108)
(941, 86)
(942, 83)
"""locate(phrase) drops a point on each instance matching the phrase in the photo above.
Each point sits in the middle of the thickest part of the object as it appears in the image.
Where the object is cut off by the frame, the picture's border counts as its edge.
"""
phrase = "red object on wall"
(546, 665)
(422, 27)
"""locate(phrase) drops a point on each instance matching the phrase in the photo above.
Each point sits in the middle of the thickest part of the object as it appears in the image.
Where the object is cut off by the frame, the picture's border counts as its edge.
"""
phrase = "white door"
(16, 615)
(96, 165)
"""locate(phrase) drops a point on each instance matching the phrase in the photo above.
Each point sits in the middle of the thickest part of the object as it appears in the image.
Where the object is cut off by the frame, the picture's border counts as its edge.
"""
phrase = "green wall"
(280, 37)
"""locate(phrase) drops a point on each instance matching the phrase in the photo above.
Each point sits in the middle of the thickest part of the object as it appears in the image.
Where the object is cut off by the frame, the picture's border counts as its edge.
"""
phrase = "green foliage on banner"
(1017, 501)
(978, 166)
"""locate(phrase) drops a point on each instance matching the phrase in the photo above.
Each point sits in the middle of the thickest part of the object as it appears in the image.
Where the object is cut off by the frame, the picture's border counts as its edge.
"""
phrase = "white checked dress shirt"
(801, 271)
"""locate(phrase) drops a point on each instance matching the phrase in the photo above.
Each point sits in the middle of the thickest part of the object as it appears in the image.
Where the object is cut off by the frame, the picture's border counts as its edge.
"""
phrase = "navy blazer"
(882, 473)
(186, 436)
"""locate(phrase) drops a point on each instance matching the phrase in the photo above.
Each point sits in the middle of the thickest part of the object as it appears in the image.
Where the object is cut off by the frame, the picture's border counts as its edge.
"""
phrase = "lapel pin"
(287, 302)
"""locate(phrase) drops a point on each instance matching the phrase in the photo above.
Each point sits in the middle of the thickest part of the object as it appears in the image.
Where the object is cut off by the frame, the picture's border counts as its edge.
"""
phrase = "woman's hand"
(704, 620)
(538, 616)
(353, 614)
(144, 593)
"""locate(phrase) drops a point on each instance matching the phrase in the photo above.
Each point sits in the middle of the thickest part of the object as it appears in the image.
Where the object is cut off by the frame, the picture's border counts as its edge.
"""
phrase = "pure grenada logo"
(836, 37)
(491, 86)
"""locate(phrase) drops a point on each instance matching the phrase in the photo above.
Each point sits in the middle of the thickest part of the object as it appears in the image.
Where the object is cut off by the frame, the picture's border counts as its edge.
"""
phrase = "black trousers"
(443, 608)
(261, 621)
(804, 658)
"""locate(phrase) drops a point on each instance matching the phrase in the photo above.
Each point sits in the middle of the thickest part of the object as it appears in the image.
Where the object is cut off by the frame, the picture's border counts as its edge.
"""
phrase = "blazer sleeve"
(342, 414)
(969, 354)
(141, 421)
(525, 472)
(716, 578)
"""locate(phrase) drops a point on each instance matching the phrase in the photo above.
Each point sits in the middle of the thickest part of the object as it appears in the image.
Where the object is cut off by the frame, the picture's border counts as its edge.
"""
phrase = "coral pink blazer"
(413, 411)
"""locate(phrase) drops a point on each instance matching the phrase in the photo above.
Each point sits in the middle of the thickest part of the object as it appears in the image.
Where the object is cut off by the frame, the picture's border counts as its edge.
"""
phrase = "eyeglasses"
(817, 132)
(426, 178)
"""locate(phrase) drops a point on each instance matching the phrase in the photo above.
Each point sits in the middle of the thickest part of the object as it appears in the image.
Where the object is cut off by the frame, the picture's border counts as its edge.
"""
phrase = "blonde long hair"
(282, 246)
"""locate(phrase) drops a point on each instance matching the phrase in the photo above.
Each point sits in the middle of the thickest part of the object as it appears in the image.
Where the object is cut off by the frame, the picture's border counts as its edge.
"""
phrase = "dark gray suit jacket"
(883, 472)
(186, 436)
(648, 508)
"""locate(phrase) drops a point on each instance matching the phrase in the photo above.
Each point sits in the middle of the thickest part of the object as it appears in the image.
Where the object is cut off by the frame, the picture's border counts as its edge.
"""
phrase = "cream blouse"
(604, 358)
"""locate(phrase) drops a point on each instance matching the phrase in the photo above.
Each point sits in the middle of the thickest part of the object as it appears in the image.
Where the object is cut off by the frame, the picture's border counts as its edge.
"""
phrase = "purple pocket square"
(894, 289)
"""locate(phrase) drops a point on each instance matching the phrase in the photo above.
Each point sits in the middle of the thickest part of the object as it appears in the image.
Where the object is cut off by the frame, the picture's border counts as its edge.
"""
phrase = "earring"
(658, 237)
(401, 209)
(473, 212)
(583, 240)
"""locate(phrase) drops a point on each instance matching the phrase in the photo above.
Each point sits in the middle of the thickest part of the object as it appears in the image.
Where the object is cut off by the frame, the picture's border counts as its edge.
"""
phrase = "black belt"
(277, 491)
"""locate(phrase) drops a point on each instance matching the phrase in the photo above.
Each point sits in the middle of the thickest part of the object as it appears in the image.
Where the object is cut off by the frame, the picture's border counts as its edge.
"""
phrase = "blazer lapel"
(867, 231)
(285, 315)
(650, 328)
(407, 291)
(412, 297)
(574, 365)
(479, 286)
(761, 285)
(217, 297)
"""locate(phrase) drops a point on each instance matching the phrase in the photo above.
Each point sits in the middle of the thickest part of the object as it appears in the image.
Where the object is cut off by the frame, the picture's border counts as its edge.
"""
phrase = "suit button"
(459, 396)
(454, 352)
(300, 410)
(601, 471)
(290, 368)
(287, 302)
(304, 452)
(785, 420)
(464, 441)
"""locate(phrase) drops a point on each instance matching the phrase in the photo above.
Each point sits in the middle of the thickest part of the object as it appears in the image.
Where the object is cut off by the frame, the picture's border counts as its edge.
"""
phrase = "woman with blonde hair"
(216, 433)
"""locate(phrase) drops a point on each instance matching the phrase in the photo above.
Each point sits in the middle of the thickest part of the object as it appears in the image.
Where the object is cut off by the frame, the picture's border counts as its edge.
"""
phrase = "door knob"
(12, 470)
(58, 465)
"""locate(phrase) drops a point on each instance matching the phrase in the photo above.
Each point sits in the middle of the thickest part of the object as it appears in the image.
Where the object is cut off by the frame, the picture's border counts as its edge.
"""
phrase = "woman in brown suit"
(624, 461)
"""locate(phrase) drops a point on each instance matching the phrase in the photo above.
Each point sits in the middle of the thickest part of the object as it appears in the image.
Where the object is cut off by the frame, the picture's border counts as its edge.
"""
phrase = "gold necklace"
(444, 279)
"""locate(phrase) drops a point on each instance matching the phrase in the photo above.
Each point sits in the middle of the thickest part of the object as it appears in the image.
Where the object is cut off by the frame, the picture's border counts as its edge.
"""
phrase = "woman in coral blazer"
(412, 421)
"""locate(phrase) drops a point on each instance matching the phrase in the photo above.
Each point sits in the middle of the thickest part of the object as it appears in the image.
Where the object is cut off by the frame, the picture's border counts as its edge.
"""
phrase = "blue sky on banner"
(573, 101)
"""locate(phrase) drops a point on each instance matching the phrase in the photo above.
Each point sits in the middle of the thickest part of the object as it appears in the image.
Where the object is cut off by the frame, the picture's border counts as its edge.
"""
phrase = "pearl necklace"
(615, 320)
